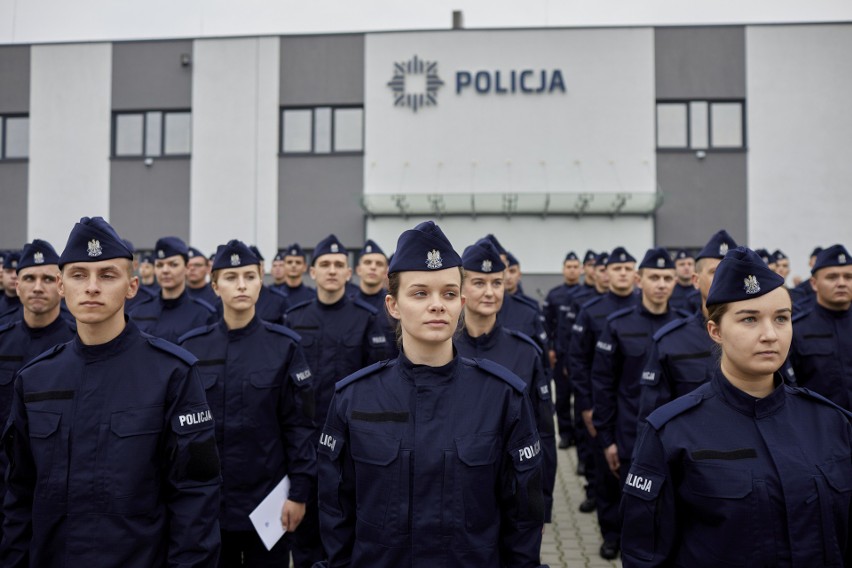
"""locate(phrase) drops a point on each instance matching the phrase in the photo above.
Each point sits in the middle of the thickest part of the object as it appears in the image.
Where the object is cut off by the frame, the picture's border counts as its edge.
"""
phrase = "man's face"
(601, 278)
(657, 285)
(685, 268)
(511, 278)
(571, 271)
(95, 291)
(704, 275)
(278, 274)
(782, 267)
(146, 270)
(833, 287)
(294, 266)
(10, 277)
(171, 272)
(196, 271)
(622, 277)
(589, 272)
(372, 269)
(38, 288)
(331, 272)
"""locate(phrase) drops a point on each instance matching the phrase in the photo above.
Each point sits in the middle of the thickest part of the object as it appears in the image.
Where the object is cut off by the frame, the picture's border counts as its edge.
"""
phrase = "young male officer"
(197, 271)
(372, 271)
(685, 296)
(10, 303)
(112, 456)
(288, 272)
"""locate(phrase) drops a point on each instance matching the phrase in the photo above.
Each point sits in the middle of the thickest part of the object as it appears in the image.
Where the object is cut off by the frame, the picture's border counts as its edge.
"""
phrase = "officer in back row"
(112, 454)
(685, 297)
(372, 272)
(197, 271)
(10, 304)
(804, 296)
(288, 272)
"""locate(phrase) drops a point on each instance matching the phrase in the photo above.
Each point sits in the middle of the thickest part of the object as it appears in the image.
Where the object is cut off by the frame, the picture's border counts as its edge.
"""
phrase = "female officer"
(430, 459)
(261, 397)
(743, 471)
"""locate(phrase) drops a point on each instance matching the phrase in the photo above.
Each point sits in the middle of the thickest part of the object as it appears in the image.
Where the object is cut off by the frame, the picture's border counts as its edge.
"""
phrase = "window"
(151, 134)
(14, 137)
(322, 130)
(701, 125)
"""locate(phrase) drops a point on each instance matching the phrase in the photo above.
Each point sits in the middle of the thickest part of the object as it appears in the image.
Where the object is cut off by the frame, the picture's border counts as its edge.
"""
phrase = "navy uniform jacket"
(720, 478)
(620, 356)
(566, 319)
(338, 340)
(297, 295)
(169, 319)
(585, 334)
(387, 323)
(556, 298)
(143, 296)
(260, 390)
(271, 305)
(518, 315)
(411, 473)
(821, 354)
(684, 298)
(520, 354)
(803, 295)
(153, 289)
(8, 303)
(205, 293)
(113, 458)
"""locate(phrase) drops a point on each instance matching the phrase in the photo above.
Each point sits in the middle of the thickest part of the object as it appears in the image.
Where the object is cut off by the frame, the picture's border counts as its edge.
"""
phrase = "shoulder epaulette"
(527, 301)
(591, 302)
(801, 314)
(498, 371)
(365, 372)
(171, 349)
(678, 406)
(203, 330)
(815, 396)
(524, 337)
(681, 313)
(621, 313)
(299, 305)
(46, 355)
(364, 305)
(283, 330)
(7, 326)
(523, 304)
(669, 327)
(204, 303)
(279, 292)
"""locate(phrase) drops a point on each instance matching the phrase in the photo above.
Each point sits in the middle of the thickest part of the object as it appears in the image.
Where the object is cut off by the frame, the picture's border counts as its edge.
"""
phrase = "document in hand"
(266, 517)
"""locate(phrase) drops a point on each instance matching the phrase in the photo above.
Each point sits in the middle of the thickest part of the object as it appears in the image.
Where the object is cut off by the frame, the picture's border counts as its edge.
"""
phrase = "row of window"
(701, 125)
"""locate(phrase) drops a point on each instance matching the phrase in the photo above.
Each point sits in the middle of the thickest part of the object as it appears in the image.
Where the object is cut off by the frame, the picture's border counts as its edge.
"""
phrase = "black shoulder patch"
(364, 305)
(282, 330)
(196, 332)
(524, 337)
(171, 349)
(678, 406)
(50, 353)
(498, 371)
(621, 313)
(204, 304)
(365, 372)
(669, 327)
(815, 396)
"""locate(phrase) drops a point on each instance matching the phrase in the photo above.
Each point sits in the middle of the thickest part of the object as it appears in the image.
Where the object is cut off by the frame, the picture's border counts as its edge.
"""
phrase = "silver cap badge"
(752, 286)
(38, 258)
(486, 266)
(235, 259)
(94, 248)
(433, 259)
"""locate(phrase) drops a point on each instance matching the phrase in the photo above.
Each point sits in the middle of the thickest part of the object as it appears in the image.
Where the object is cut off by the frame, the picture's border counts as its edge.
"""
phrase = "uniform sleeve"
(296, 421)
(648, 514)
(655, 387)
(336, 479)
(551, 314)
(193, 478)
(521, 499)
(20, 485)
(543, 405)
(605, 378)
(580, 353)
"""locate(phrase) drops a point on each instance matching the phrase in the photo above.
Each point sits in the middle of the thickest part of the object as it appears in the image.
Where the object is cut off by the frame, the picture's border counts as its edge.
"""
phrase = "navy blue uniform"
(272, 305)
(143, 295)
(821, 353)
(686, 298)
(205, 293)
(518, 315)
(520, 354)
(169, 319)
(387, 323)
(260, 391)
(803, 295)
(296, 295)
(113, 458)
(721, 478)
(437, 481)
(556, 300)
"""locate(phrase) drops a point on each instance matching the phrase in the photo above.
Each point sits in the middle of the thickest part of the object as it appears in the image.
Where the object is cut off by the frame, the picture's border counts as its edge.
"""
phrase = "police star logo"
(38, 258)
(486, 266)
(235, 259)
(334, 247)
(723, 249)
(622, 257)
(752, 286)
(841, 258)
(94, 249)
(415, 83)
(433, 259)
(293, 252)
(661, 263)
(161, 253)
(368, 249)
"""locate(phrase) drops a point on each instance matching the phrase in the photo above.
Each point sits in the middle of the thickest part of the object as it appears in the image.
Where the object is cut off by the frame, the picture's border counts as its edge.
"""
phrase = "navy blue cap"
(571, 256)
(657, 258)
(683, 254)
(234, 255)
(129, 245)
(11, 261)
(482, 256)
(590, 256)
(370, 247)
(290, 250)
(256, 252)
(601, 258)
(618, 256)
(835, 255)
(37, 253)
(423, 248)
(192, 252)
(149, 258)
(170, 246)
(512, 260)
(329, 245)
(778, 255)
(718, 246)
(763, 254)
(741, 275)
(93, 240)
(816, 251)
(496, 243)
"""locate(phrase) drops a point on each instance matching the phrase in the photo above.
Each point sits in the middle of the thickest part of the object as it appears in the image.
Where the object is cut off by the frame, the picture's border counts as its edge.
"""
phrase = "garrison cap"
(778, 255)
(129, 245)
(601, 258)
(423, 248)
(618, 256)
(329, 245)
(37, 253)
(234, 255)
(93, 240)
(657, 258)
(590, 256)
(496, 243)
(683, 254)
(257, 254)
(513, 261)
(482, 256)
(835, 255)
(192, 252)
(147, 258)
(171, 246)
(11, 260)
(741, 275)
(718, 246)
(763, 254)
(571, 256)
(370, 247)
(816, 251)
(290, 250)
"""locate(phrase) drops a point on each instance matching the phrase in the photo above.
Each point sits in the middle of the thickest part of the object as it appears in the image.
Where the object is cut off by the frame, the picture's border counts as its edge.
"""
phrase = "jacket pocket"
(133, 461)
(478, 474)
(382, 493)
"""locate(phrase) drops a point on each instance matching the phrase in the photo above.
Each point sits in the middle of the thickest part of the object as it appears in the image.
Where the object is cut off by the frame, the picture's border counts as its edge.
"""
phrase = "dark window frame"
(710, 147)
(143, 155)
(3, 136)
(313, 152)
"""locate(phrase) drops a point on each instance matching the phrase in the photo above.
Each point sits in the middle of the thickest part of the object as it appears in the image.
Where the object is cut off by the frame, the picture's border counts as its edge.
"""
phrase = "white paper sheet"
(266, 517)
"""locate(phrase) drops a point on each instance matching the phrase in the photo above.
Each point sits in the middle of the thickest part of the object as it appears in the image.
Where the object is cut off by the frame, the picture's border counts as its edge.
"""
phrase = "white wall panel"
(234, 137)
(800, 138)
(69, 138)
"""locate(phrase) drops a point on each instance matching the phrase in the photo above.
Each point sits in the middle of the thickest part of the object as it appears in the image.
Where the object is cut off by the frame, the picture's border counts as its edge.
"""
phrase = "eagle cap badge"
(235, 259)
(752, 286)
(433, 259)
(486, 266)
(94, 248)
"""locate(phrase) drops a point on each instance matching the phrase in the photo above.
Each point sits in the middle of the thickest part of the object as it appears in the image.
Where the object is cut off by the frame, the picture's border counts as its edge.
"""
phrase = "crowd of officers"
(618, 339)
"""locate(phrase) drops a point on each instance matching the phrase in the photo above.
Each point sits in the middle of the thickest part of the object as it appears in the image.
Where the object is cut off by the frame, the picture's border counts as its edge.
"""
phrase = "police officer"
(410, 472)
(513, 276)
(821, 354)
(483, 291)
(620, 358)
(682, 357)
(273, 303)
(804, 296)
(782, 263)
(288, 272)
(558, 297)
(260, 392)
(11, 304)
(112, 455)
(685, 296)
(173, 312)
(197, 271)
(745, 470)
(372, 271)
(147, 275)
(621, 270)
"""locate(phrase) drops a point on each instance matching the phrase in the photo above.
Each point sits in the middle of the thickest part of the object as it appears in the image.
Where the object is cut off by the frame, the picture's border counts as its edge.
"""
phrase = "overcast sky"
(35, 21)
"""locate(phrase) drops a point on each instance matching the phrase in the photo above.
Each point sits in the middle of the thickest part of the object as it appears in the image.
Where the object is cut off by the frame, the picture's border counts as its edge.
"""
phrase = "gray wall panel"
(150, 202)
(318, 70)
(14, 78)
(700, 197)
(13, 211)
(700, 62)
(149, 75)
(318, 196)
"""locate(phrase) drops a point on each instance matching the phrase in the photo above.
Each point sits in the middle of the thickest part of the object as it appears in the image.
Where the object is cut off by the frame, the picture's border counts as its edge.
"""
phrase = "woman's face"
(239, 287)
(427, 305)
(483, 293)
(755, 334)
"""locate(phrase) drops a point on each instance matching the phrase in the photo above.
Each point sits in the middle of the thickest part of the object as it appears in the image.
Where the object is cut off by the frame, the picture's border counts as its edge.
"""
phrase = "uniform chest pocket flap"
(137, 421)
(43, 424)
(816, 346)
(266, 379)
(373, 449)
(6, 376)
(478, 450)
(709, 480)
(838, 474)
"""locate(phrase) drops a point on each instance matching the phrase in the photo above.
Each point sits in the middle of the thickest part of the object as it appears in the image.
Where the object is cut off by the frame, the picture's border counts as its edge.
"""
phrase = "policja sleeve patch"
(193, 419)
(330, 443)
(643, 483)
